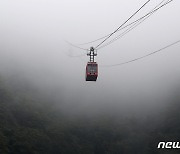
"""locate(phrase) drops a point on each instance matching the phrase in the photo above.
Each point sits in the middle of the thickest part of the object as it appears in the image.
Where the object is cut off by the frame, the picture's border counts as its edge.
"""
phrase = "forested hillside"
(30, 124)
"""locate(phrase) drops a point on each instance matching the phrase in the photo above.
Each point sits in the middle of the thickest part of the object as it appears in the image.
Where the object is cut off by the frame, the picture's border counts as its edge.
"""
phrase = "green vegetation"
(31, 125)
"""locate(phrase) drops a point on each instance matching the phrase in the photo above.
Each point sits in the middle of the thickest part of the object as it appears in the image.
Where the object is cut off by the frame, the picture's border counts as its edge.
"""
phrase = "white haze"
(32, 34)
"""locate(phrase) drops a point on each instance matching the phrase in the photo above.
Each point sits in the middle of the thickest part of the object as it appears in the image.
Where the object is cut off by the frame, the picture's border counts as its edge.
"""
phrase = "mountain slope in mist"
(30, 124)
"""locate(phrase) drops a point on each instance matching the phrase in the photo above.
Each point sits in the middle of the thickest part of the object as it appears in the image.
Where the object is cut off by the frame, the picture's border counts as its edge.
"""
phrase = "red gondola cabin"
(91, 71)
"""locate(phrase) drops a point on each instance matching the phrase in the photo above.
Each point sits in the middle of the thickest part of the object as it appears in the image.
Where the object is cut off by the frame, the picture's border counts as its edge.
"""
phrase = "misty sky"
(32, 34)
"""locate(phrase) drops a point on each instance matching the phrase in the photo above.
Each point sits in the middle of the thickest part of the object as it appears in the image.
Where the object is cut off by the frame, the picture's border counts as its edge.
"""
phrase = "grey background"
(32, 34)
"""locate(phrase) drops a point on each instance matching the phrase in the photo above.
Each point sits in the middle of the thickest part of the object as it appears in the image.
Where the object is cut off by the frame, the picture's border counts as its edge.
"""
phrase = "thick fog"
(33, 47)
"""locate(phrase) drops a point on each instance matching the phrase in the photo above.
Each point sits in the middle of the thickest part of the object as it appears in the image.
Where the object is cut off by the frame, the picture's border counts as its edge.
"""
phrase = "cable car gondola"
(91, 71)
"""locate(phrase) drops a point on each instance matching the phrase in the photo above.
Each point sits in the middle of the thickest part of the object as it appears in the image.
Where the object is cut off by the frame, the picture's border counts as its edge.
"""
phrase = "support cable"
(122, 24)
(135, 25)
(76, 46)
(142, 57)
(151, 12)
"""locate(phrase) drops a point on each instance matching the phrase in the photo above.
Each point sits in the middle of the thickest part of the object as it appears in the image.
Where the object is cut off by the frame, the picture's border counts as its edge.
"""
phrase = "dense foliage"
(30, 125)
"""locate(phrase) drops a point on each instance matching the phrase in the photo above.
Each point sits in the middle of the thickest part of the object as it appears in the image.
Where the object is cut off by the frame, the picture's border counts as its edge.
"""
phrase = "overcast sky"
(32, 34)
